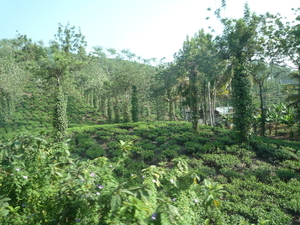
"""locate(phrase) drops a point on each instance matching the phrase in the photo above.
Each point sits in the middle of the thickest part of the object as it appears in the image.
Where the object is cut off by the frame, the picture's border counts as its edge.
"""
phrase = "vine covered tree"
(65, 55)
(241, 44)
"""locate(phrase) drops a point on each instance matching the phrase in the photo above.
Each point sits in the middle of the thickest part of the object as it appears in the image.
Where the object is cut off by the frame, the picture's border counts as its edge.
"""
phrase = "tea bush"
(286, 174)
(221, 161)
(295, 165)
(95, 151)
(192, 147)
(161, 139)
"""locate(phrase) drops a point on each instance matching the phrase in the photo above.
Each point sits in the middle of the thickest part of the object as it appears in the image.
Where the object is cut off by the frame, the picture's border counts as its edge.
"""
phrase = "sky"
(148, 28)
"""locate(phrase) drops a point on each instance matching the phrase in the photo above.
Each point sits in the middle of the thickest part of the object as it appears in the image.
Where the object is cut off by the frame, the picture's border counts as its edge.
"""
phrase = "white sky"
(149, 28)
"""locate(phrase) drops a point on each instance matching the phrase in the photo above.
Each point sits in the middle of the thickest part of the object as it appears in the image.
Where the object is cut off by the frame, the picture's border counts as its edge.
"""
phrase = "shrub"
(85, 142)
(207, 148)
(192, 147)
(284, 153)
(205, 133)
(181, 138)
(286, 174)
(147, 154)
(263, 174)
(151, 135)
(124, 137)
(247, 160)
(294, 205)
(113, 145)
(226, 140)
(290, 164)
(164, 146)
(201, 140)
(161, 139)
(169, 154)
(148, 146)
(175, 148)
(206, 171)
(230, 173)
(95, 151)
(101, 133)
(104, 139)
(115, 130)
(221, 160)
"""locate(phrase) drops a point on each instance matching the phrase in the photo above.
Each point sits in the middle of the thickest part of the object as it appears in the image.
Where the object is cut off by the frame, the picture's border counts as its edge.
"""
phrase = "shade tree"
(246, 44)
(203, 68)
(65, 55)
(12, 80)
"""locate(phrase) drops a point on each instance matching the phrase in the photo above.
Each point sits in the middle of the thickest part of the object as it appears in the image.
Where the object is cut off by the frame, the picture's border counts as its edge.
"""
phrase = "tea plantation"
(149, 173)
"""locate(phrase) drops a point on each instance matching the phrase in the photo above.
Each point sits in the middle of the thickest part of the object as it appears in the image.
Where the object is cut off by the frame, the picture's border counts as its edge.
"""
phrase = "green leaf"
(115, 202)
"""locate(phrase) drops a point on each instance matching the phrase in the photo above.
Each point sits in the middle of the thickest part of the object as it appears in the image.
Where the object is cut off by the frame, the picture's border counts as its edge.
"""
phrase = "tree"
(134, 103)
(201, 64)
(260, 73)
(241, 44)
(276, 114)
(166, 86)
(12, 78)
(288, 37)
(128, 83)
(65, 55)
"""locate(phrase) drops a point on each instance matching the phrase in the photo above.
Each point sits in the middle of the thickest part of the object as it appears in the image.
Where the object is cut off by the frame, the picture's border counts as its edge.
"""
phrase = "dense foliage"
(86, 158)
(145, 181)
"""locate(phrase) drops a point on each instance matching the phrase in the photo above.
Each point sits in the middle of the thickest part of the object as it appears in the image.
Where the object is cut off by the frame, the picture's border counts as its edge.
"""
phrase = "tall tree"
(166, 86)
(128, 83)
(241, 44)
(289, 47)
(12, 78)
(65, 55)
(200, 63)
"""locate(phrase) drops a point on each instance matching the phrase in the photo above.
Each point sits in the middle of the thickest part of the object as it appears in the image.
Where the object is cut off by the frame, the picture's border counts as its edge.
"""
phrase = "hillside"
(34, 112)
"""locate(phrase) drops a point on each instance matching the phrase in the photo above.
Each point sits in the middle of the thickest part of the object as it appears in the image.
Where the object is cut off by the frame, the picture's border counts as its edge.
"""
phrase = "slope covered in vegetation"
(34, 112)
(90, 165)
(151, 173)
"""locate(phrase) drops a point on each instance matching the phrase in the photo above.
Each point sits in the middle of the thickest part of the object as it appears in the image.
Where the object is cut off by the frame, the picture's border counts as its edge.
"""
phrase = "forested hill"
(246, 67)
(87, 94)
(100, 92)
(110, 87)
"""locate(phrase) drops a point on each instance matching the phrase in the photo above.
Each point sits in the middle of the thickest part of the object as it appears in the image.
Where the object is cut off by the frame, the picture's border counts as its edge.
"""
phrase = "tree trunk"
(60, 122)
(109, 111)
(126, 112)
(103, 107)
(263, 112)
(209, 104)
(134, 104)
(214, 104)
(170, 105)
(204, 109)
(117, 111)
(242, 102)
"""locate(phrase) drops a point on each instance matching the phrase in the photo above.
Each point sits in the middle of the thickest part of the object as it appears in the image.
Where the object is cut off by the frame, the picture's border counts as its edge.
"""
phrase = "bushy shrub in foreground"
(42, 184)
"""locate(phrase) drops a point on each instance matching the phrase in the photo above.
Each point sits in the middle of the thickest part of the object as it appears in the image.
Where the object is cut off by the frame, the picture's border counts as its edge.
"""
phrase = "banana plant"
(289, 120)
(275, 115)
